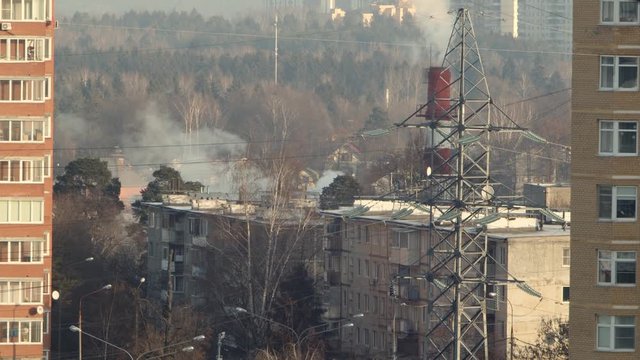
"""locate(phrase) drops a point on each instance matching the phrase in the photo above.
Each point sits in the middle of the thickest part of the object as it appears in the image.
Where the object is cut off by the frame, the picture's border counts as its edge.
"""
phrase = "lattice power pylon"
(458, 192)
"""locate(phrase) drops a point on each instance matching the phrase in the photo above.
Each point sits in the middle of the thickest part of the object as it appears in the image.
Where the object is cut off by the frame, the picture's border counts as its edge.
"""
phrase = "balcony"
(404, 256)
(333, 243)
(333, 278)
(198, 272)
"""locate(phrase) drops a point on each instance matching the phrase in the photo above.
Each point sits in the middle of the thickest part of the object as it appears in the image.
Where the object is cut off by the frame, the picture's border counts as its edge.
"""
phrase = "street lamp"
(194, 339)
(137, 310)
(184, 349)
(511, 337)
(300, 337)
(79, 331)
(220, 338)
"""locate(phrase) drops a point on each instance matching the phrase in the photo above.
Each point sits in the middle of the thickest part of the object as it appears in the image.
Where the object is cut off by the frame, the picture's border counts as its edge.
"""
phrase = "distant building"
(346, 158)
(547, 21)
(375, 264)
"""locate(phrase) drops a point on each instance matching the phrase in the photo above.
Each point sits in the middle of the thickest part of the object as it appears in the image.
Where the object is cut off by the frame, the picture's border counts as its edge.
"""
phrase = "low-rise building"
(195, 240)
(375, 260)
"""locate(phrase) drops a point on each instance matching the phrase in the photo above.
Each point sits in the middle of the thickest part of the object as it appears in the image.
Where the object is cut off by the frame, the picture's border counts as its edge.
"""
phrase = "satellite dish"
(487, 192)
(55, 295)
(40, 310)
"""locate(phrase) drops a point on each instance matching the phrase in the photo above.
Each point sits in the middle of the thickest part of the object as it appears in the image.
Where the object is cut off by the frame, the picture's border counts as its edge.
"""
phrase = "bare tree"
(552, 342)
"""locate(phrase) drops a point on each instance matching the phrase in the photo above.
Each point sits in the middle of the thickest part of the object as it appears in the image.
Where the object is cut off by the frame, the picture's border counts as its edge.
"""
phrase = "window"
(619, 12)
(617, 202)
(402, 238)
(46, 166)
(21, 250)
(565, 294)
(22, 170)
(26, 130)
(618, 73)
(20, 331)
(566, 257)
(15, 291)
(15, 49)
(197, 227)
(618, 138)
(26, 10)
(24, 90)
(616, 267)
(616, 333)
(21, 211)
(178, 283)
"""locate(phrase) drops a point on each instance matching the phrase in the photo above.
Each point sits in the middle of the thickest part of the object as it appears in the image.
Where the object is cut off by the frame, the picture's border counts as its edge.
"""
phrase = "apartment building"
(195, 241)
(545, 21)
(605, 239)
(26, 143)
(376, 264)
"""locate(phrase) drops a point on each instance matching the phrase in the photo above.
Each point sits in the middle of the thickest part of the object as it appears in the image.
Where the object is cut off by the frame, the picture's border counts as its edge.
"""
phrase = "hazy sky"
(227, 8)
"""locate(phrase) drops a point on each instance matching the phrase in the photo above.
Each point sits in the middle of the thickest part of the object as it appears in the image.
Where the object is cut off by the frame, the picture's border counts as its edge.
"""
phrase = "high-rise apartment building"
(26, 143)
(605, 234)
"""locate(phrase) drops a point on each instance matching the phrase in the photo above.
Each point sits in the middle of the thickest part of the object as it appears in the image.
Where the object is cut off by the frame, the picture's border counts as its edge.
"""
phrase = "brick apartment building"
(605, 237)
(26, 144)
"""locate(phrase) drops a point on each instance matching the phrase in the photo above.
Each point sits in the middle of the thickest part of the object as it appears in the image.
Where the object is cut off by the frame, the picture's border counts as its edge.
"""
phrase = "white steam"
(326, 179)
(435, 19)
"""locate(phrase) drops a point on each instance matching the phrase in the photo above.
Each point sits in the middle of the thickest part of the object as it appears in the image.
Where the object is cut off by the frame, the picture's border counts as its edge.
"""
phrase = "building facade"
(26, 144)
(195, 242)
(605, 237)
(375, 264)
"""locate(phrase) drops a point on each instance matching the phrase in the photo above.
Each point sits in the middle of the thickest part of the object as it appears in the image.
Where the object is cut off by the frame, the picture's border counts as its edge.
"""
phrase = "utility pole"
(460, 196)
(275, 74)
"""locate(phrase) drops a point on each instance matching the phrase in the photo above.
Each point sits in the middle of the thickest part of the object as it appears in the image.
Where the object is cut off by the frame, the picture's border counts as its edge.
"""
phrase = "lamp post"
(194, 339)
(137, 310)
(220, 338)
(56, 295)
(80, 332)
(299, 337)
(511, 337)
(79, 327)
(184, 349)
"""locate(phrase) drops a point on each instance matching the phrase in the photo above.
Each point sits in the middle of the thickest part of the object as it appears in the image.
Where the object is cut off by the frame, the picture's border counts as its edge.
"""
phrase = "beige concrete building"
(374, 248)
(605, 176)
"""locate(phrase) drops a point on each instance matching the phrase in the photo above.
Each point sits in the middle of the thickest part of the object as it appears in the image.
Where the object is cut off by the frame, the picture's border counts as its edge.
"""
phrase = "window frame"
(613, 262)
(28, 88)
(33, 324)
(615, 198)
(16, 287)
(615, 137)
(616, 73)
(46, 12)
(616, 13)
(612, 327)
(31, 164)
(566, 294)
(32, 135)
(566, 257)
(41, 46)
(17, 260)
(32, 213)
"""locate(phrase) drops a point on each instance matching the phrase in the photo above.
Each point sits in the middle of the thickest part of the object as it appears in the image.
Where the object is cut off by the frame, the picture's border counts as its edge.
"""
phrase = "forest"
(180, 89)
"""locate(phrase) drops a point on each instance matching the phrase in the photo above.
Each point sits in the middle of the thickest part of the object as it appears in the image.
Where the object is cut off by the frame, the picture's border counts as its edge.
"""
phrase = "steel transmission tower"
(459, 195)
